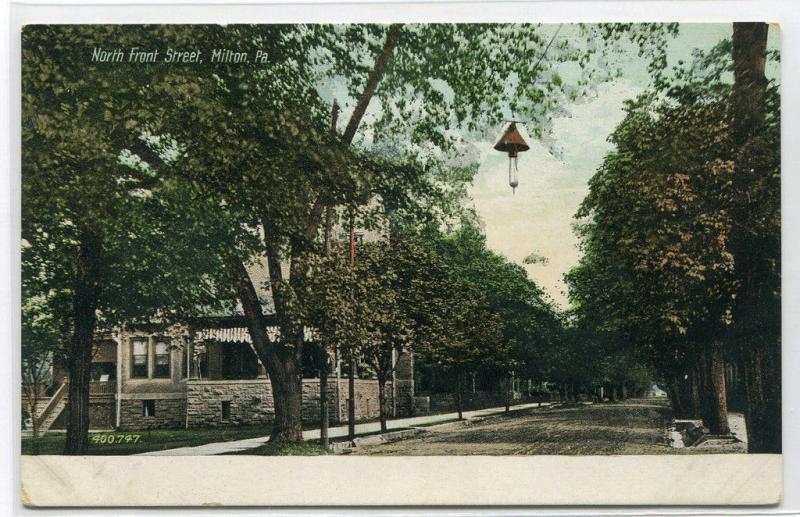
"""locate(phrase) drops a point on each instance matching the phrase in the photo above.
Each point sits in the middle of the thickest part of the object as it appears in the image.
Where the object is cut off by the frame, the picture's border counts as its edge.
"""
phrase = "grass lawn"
(307, 448)
(125, 443)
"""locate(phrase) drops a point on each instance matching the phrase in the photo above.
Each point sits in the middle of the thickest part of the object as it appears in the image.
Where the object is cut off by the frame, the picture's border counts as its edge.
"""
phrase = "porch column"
(394, 383)
(189, 348)
(151, 355)
(118, 394)
(338, 385)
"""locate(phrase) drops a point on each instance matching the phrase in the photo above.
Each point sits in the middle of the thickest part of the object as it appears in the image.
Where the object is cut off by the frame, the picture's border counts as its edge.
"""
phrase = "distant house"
(655, 391)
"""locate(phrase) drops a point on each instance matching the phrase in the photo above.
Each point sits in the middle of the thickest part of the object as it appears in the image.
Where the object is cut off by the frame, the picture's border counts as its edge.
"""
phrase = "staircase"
(53, 409)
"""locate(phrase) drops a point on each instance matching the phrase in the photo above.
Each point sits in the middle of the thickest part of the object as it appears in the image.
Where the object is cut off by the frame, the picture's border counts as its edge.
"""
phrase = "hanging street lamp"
(511, 142)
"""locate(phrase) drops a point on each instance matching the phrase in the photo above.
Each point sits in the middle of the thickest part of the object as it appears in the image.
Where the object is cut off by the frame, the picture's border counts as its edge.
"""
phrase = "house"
(205, 373)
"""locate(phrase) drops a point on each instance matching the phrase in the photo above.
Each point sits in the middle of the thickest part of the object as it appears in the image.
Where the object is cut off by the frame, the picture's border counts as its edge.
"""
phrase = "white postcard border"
(701, 480)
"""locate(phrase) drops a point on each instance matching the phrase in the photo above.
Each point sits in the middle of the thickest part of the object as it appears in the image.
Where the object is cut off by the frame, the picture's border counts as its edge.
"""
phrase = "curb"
(388, 437)
(347, 447)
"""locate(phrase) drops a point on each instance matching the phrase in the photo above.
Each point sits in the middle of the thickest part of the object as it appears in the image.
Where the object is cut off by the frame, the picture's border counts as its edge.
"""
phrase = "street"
(630, 427)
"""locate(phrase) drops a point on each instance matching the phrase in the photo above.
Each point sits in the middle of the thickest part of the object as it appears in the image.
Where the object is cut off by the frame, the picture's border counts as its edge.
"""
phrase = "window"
(184, 364)
(139, 358)
(162, 360)
(148, 408)
(103, 371)
(226, 409)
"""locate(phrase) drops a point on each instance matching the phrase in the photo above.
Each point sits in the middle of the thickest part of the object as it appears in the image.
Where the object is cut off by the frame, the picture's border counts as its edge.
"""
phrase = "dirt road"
(630, 427)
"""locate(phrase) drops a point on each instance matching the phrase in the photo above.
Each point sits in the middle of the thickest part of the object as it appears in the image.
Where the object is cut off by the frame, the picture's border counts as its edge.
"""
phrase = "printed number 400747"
(115, 438)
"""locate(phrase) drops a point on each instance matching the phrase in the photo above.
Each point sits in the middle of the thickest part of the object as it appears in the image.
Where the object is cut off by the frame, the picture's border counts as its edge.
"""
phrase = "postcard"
(400, 264)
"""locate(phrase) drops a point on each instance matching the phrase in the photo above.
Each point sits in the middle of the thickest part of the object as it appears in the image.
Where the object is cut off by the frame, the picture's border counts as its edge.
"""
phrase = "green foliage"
(79, 122)
(446, 80)
(147, 440)
(657, 276)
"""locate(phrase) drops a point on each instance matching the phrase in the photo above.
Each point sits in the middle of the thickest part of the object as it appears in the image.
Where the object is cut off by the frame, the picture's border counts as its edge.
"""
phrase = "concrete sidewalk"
(212, 449)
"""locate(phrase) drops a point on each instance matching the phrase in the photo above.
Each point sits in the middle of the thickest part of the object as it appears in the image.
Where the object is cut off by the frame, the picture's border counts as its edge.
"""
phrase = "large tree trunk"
(351, 400)
(79, 353)
(281, 360)
(287, 390)
(756, 313)
(459, 392)
(695, 390)
(382, 401)
(715, 405)
(509, 387)
(323, 400)
(762, 392)
(675, 397)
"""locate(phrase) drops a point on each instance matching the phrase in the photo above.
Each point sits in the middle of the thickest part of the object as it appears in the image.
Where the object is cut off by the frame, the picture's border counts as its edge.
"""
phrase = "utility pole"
(323, 355)
(351, 381)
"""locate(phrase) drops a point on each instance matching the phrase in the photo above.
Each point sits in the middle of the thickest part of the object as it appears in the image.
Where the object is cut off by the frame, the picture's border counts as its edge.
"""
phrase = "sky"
(539, 217)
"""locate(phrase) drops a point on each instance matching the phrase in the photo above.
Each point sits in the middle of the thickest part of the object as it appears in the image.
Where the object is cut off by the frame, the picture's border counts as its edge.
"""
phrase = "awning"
(242, 335)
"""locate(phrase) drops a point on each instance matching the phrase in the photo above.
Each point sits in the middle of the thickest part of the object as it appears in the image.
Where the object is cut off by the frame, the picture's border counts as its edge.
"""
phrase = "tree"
(659, 238)
(94, 216)
(668, 215)
(396, 279)
(331, 306)
(463, 334)
(531, 324)
(755, 236)
(41, 339)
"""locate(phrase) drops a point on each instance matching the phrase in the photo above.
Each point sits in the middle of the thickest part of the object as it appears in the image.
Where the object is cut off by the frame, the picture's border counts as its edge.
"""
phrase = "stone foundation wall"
(404, 377)
(367, 400)
(422, 406)
(170, 414)
(250, 402)
(101, 414)
(446, 402)
(405, 398)
(311, 400)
